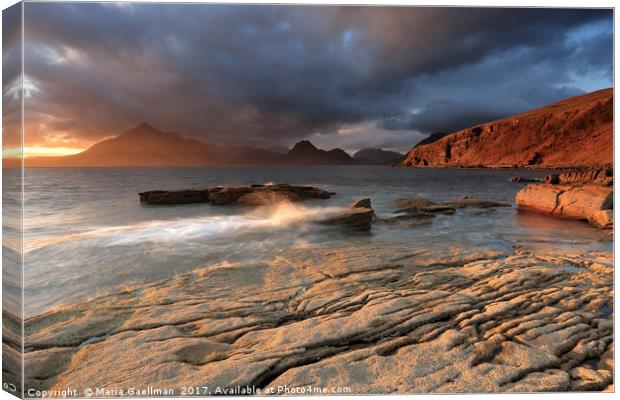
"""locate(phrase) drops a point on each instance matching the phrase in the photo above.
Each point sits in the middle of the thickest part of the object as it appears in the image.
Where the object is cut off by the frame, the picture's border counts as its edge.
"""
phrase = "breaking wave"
(279, 216)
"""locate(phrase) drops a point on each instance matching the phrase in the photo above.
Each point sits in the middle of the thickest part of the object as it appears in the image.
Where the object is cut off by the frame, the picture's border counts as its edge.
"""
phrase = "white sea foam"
(278, 216)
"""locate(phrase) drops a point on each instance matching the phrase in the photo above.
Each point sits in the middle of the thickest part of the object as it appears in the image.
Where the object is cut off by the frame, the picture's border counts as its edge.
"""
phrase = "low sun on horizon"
(39, 151)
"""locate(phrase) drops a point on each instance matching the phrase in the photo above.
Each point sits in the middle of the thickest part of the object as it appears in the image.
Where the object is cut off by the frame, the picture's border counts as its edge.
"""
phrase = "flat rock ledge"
(373, 318)
(591, 203)
(253, 195)
(582, 194)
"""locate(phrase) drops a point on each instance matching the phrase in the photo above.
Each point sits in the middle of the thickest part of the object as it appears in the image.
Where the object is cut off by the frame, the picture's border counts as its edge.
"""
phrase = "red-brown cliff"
(575, 132)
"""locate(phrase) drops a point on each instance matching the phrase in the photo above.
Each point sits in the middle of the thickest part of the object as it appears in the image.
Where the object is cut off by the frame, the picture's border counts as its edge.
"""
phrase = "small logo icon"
(9, 386)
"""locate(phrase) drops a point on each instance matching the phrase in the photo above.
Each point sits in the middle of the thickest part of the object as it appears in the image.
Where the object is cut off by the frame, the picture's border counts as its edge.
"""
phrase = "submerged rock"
(412, 213)
(421, 210)
(440, 209)
(253, 195)
(409, 203)
(466, 201)
(575, 202)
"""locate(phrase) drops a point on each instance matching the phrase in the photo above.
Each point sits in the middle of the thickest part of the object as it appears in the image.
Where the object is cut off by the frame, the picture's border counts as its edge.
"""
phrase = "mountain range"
(146, 146)
(575, 132)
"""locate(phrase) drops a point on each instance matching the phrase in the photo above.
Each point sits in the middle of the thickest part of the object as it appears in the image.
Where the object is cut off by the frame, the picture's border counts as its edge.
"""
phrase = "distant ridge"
(145, 146)
(306, 153)
(576, 132)
(378, 157)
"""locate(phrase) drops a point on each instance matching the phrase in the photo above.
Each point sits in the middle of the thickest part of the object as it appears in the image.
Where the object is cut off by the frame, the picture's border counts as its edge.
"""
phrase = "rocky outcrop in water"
(253, 195)
(371, 318)
(358, 216)
(584, 195)
(575, 132)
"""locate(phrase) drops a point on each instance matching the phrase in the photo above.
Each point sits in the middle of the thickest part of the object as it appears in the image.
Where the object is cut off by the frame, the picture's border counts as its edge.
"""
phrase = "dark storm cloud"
(510, 82)
(443, 116)
(11, 78)
(11, 44)
(273, 74)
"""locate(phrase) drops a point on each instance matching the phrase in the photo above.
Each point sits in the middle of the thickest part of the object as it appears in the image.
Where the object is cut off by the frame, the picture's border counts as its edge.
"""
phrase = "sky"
(267, 76)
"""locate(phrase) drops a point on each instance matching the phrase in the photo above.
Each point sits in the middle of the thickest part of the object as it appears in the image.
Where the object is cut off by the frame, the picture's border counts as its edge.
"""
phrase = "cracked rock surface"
(376, 319)
(590, 203)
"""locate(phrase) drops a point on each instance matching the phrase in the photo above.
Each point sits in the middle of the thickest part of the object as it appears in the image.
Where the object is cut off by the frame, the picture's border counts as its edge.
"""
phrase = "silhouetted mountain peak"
(146, 131)
(305, 152)
(145, 125)
(303, 146)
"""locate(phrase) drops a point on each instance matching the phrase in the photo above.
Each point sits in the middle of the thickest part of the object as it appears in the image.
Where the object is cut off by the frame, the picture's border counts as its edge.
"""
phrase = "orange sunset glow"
(39, 151)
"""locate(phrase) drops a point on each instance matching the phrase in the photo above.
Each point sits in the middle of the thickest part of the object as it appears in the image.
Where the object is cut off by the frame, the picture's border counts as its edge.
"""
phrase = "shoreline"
(533, 168)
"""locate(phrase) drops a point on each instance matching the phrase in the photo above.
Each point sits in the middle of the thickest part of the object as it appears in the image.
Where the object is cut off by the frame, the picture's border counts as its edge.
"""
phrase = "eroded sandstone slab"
(577, 202)
(375, 319)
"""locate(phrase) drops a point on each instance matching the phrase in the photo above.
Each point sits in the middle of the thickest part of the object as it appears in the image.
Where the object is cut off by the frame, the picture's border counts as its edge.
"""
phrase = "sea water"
(86, 233)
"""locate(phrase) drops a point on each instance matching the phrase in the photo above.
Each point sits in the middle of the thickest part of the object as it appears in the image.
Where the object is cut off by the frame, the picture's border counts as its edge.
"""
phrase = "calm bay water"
(87, 234)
